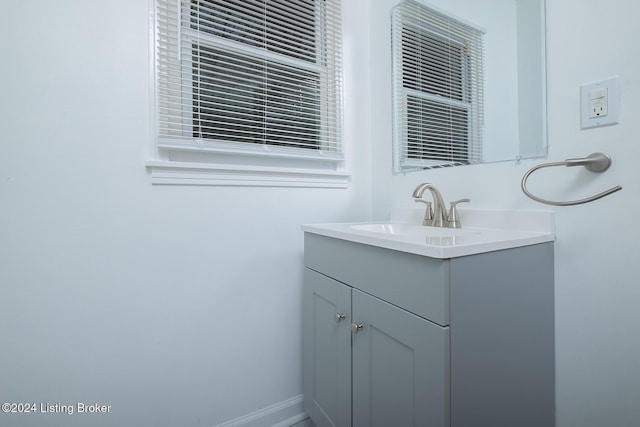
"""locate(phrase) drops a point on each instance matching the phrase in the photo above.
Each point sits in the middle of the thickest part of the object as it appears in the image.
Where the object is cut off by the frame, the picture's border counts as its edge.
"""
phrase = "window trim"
(241, 164)
(191, 173)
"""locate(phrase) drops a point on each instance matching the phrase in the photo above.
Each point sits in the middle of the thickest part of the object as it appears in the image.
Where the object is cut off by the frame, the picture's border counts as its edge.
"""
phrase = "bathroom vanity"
(394, 337)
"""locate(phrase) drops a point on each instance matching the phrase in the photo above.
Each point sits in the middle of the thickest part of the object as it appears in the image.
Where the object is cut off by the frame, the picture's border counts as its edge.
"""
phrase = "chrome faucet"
(438, 217)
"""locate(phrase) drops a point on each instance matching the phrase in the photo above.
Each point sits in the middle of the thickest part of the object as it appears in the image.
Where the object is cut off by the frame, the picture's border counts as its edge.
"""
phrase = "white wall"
(178, 306)
(181, 305)
(597, 292)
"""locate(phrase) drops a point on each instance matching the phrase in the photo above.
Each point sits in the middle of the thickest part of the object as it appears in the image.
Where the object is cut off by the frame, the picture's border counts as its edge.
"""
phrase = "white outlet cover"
(612, 99)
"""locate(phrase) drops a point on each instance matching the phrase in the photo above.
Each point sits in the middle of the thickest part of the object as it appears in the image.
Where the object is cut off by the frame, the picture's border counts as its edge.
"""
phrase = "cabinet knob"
(339, 316)
(356, 327)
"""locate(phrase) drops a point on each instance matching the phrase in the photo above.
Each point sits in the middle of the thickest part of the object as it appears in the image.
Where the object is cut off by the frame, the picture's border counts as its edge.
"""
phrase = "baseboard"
(282, 414)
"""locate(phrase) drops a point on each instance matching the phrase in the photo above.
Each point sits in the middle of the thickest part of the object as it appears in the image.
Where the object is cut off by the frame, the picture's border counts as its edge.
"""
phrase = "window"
(255, 83)
(438, 89)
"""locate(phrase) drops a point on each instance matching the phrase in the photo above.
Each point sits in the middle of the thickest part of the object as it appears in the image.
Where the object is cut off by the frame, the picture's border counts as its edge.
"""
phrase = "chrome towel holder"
(595, 162)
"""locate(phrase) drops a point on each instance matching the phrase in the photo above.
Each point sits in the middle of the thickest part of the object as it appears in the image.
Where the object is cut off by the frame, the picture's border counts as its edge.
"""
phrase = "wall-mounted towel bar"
(596, 162)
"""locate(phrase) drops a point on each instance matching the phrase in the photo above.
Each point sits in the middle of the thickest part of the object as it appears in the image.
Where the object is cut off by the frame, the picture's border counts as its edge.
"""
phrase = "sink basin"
(412, 230)
(482, 231)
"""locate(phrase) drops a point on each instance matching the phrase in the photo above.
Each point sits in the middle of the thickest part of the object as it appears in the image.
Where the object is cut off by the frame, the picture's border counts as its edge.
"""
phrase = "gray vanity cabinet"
(394, 371)
(398, 339)
(400, 366)
(327, 343)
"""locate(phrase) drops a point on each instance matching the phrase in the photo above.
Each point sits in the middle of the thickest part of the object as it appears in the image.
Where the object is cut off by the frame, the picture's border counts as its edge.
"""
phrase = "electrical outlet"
(599, 103)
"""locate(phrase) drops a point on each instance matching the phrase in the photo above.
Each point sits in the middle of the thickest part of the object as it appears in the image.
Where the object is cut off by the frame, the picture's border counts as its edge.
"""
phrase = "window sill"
(188, 173)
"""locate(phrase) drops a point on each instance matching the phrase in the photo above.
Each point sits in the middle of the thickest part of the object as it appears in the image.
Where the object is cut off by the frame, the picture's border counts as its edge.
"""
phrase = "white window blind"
(438, 88)
(256, 77)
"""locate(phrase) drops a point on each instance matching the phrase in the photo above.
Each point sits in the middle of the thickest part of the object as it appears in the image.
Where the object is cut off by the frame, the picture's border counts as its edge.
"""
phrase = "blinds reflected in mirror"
(438, 89)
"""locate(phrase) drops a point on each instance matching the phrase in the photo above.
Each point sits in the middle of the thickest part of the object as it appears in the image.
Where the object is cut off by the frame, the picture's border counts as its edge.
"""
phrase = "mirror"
(514, 71)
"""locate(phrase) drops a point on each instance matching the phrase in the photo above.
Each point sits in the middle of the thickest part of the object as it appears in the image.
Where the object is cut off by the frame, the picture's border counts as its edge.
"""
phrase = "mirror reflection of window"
(438, 88)
(456, 102)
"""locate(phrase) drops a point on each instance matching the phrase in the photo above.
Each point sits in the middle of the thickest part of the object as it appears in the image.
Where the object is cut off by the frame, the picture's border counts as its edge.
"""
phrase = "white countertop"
(482, 231)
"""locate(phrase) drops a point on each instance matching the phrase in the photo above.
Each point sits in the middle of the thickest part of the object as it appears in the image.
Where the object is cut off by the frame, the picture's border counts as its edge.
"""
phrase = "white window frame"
(200, 161)
(427, 19)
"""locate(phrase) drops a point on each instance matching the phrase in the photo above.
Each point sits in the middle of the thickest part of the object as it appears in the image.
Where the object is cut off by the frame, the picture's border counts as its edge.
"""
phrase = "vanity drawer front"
(415, 283)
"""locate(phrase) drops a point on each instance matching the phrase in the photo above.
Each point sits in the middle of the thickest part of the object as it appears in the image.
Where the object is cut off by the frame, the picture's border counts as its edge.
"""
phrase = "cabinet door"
(327, 350)
(400, 367)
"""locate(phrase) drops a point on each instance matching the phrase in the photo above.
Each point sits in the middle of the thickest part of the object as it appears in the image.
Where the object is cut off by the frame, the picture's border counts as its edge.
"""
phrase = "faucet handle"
(454, 220)
(428, 214)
